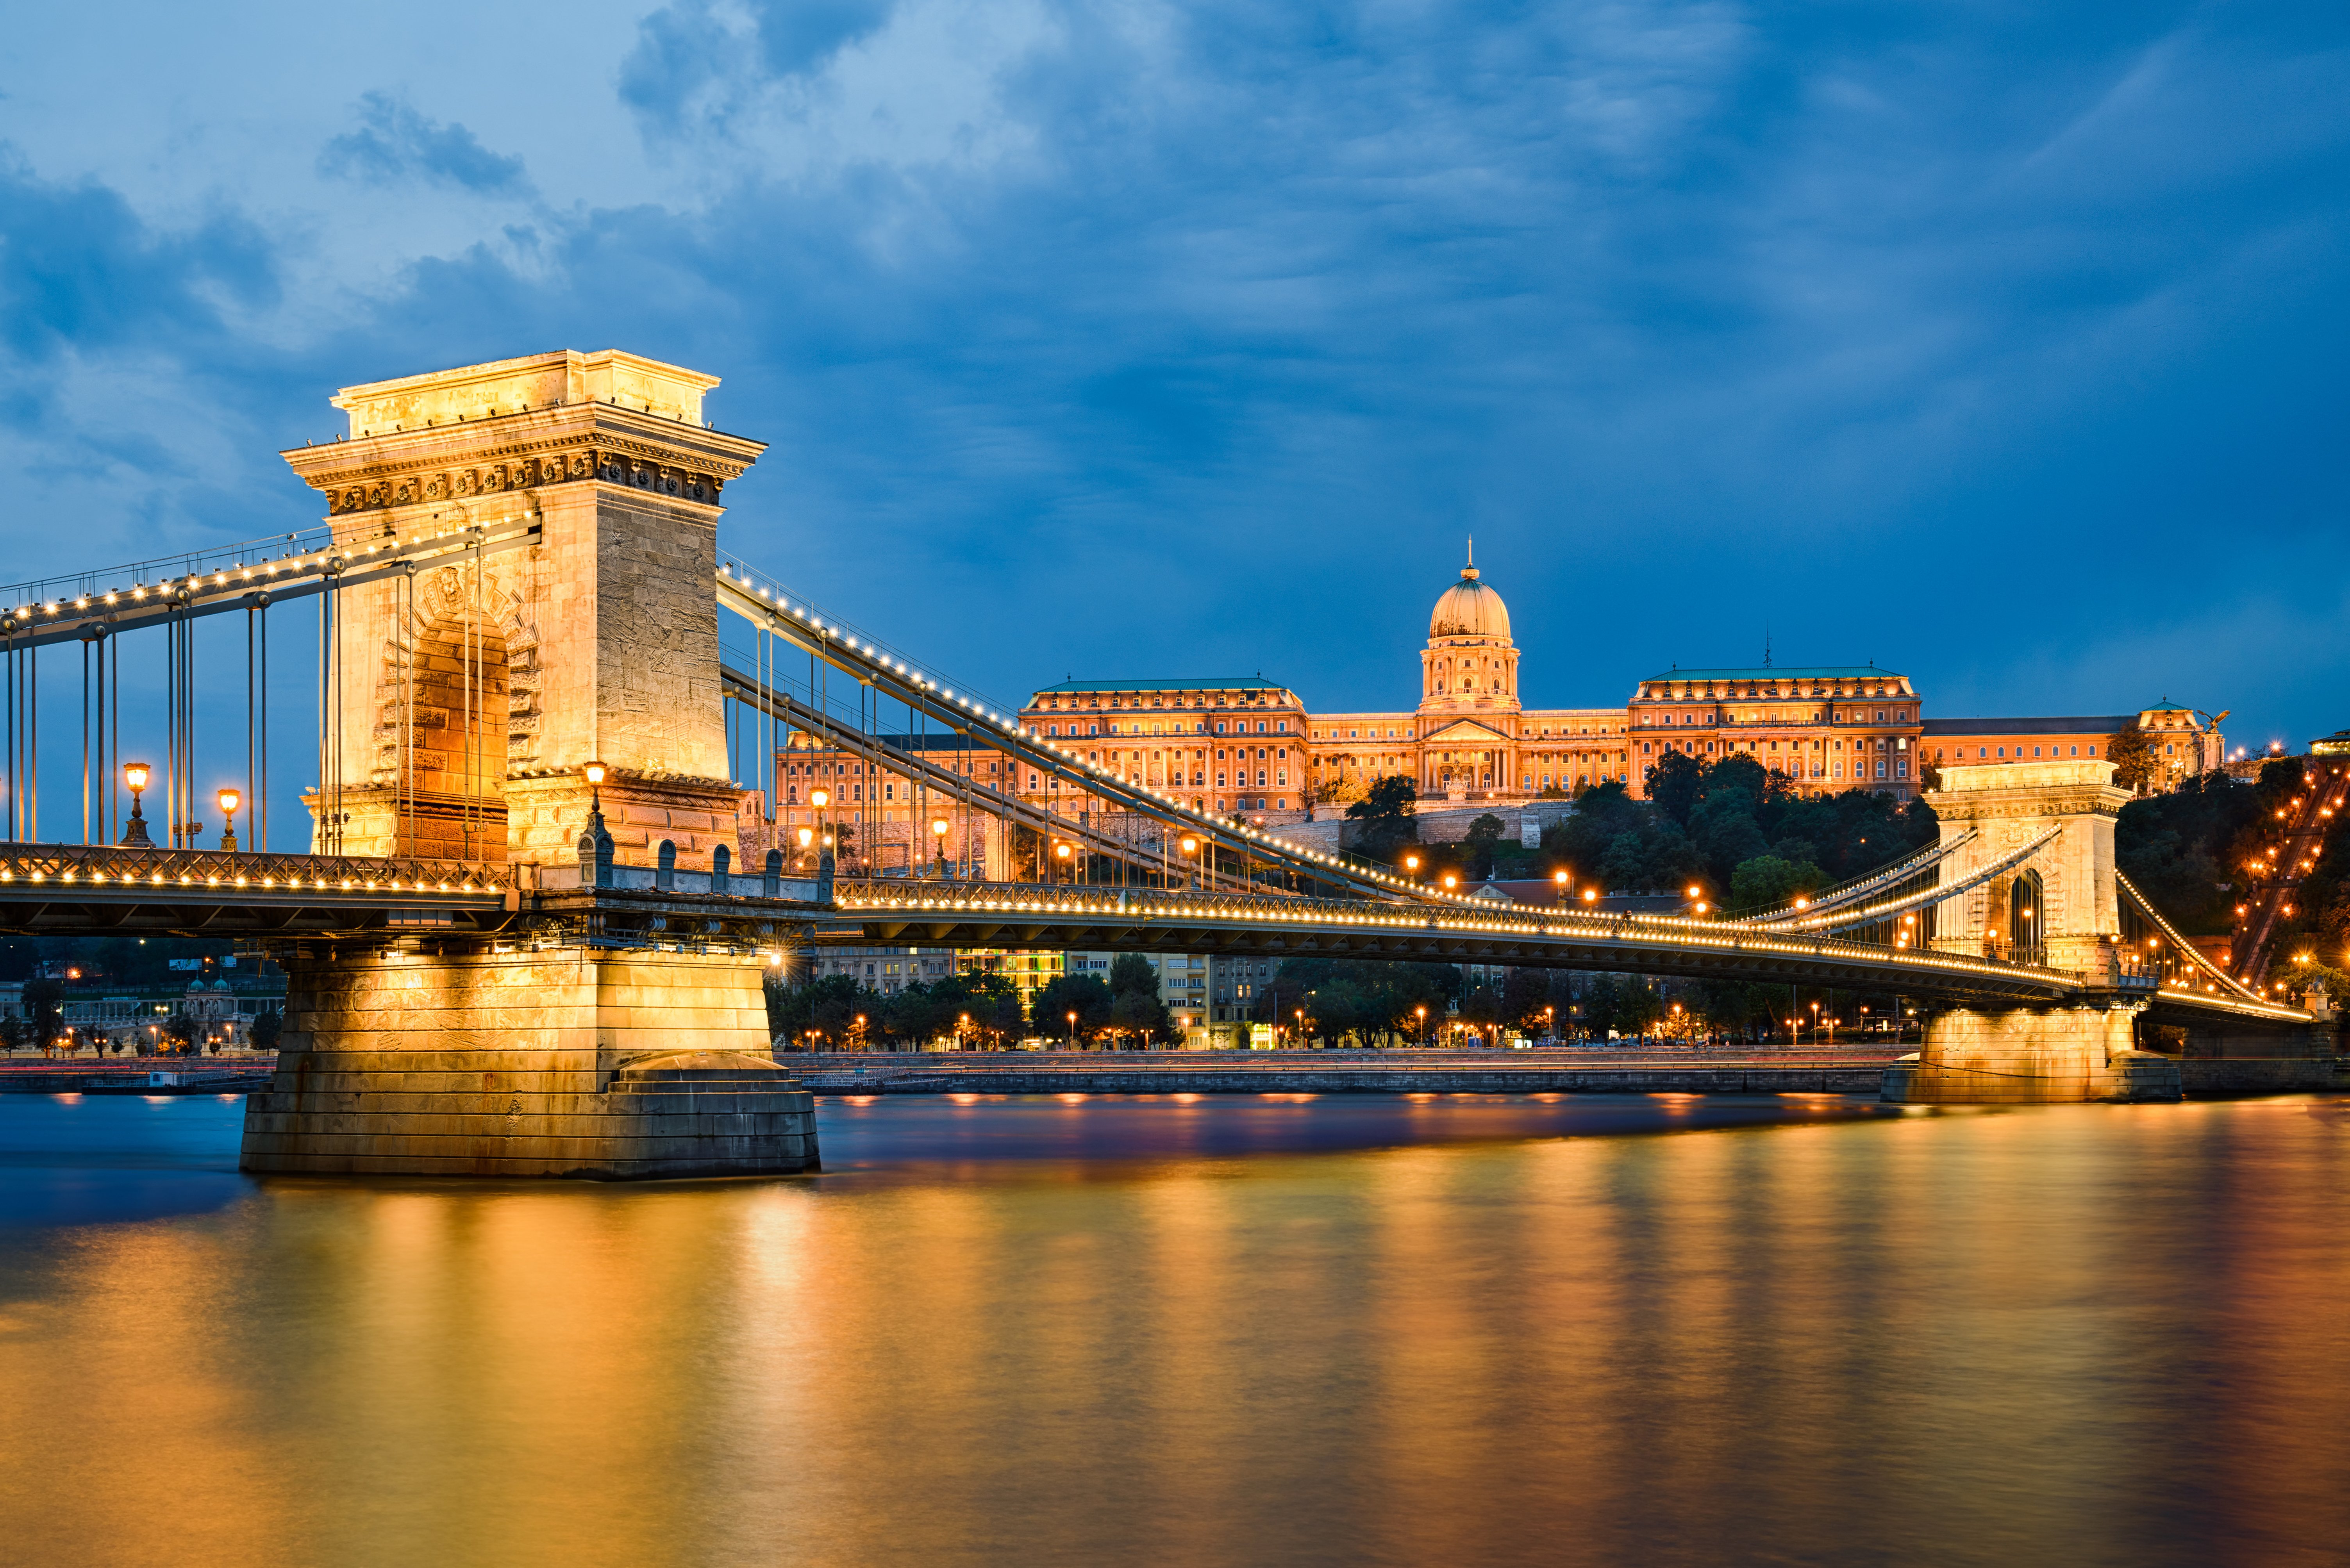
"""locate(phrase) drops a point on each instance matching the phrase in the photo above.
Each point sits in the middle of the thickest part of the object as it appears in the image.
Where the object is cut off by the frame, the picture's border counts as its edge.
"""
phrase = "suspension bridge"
(548, 852)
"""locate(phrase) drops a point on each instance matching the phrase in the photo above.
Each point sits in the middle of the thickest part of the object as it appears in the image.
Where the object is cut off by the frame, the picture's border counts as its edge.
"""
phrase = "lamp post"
(1423, 1023)
(1192, 851)
(1073, 1031)
(938, 836)
(229, 801)
(1068, 871)
(818, 799)
(134, 832)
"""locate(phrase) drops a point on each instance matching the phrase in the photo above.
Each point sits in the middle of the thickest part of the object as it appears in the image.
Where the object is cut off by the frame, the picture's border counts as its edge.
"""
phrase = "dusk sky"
(2002, 345)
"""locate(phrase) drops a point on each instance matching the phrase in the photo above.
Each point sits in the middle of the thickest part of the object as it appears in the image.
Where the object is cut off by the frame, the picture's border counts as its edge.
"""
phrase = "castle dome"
(1470, 608)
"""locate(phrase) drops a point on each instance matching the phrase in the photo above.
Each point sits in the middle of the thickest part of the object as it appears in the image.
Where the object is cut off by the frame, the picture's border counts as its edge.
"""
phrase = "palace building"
(1249, 746)
(1470, 738)
(1829, 729)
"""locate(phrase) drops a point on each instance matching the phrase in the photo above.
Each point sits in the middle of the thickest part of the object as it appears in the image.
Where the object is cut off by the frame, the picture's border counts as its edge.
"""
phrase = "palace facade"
(1249, 746)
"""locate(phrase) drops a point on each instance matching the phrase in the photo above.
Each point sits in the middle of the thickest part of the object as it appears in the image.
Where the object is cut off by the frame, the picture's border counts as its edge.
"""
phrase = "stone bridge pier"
(2059, 909)
(467, 702)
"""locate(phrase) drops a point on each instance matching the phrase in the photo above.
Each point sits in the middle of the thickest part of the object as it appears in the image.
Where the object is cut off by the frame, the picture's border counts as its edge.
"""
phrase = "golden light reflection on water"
(2079, 1334)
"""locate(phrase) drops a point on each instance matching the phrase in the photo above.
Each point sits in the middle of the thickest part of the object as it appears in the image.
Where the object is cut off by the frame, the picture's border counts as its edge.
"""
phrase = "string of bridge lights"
(781, 601)
(330, 559)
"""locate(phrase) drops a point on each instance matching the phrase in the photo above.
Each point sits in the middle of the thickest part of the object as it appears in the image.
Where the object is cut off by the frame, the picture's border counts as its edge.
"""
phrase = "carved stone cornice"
(1985, 806)
(567, 444)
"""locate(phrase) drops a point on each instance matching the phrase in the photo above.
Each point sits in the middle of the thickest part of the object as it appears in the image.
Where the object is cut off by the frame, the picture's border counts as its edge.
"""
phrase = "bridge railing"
(1063, 901)
(102, 866)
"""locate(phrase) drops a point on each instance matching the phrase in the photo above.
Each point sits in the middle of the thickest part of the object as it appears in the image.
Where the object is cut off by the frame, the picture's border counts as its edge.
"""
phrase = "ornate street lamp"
(134, 832)
(819, 799)
(229, 801)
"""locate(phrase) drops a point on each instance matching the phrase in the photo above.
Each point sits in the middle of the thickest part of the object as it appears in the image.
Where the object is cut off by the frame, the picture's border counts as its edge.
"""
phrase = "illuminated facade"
(1826, 730)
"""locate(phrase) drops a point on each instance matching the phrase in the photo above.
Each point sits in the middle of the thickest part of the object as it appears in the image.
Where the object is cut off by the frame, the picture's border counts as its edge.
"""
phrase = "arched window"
(2025, 916)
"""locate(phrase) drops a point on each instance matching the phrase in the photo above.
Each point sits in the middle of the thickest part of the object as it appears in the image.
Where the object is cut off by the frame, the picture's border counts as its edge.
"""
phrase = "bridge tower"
(460, 706)
(2059, 909)
(463, 701)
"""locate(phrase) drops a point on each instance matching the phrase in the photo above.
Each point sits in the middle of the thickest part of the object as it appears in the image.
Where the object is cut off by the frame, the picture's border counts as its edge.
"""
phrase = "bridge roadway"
(265, 901)
(946, 914)
(84, 890)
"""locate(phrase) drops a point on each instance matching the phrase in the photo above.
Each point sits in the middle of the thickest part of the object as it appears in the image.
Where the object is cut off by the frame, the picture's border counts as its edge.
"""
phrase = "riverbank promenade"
(1555, 1069)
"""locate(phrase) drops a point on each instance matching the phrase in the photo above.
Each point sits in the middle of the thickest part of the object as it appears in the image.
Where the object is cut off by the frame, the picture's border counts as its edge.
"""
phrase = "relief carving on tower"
(641, 469)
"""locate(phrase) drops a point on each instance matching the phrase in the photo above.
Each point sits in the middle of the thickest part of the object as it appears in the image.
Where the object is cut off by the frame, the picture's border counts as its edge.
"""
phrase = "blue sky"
(2002, 344)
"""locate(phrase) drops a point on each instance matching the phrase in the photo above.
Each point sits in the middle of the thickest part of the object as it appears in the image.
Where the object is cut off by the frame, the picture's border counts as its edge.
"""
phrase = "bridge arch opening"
(2026, 918)
(458, 717)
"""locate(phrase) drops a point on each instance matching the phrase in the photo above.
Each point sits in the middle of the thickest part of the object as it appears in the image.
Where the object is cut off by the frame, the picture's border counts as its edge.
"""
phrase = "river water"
(1250, 1330)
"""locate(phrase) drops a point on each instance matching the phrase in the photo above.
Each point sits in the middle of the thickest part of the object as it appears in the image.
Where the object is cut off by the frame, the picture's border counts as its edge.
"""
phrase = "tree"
(1484, 834)
(1675, 784)
(181, 1030)
(45, 1010)
(1135, 1005)
(1526, 992)
(268, 1024)
(1084, 994)
(1725, 830)
(1385, 817)
(1768, 881)
(1007, 1018)
(827, 1007)
(2132, 754)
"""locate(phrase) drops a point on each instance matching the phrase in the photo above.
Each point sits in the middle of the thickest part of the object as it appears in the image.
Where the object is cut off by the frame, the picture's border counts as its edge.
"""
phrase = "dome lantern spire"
(1469, 607)
(1469, 570)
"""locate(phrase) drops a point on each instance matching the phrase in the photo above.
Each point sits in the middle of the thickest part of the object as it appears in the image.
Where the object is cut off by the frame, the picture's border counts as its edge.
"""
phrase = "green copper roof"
(1223, 683)
(1783, 673)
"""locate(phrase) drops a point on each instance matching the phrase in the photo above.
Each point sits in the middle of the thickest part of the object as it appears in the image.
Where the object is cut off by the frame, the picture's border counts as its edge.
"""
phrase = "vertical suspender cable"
(85, 741)
(15, 774)
(252, 732)
(261, 790)
(33, 742)
(320, 847)
(338, 711)
(412, 638)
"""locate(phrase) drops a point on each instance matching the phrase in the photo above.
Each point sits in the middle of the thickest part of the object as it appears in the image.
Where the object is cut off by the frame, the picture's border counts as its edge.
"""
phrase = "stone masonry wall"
(526, 1064)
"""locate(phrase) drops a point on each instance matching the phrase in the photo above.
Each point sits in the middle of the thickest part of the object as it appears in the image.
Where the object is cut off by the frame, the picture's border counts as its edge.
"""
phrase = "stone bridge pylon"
(2061, 910)
(465, 699)
(460, 706)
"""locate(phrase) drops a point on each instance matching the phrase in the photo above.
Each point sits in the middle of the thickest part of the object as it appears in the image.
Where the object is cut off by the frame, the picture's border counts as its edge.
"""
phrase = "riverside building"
(1249, 746)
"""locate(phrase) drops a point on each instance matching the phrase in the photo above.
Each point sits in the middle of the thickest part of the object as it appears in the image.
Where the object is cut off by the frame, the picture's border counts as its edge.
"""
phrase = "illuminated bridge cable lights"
(863, 661)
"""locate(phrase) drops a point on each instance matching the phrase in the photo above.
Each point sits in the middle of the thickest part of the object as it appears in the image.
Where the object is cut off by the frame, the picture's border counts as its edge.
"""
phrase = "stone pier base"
(2031, 1057)
(563, 1063)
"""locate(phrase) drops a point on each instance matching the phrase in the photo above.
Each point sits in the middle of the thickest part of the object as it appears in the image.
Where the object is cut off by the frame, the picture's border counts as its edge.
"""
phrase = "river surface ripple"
(1277, 1329)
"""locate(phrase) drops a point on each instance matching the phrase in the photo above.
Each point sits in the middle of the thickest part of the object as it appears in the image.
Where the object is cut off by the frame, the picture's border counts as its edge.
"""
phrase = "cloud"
(1191, 339)
(395, 144)
(691, 55)
(79, 271)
